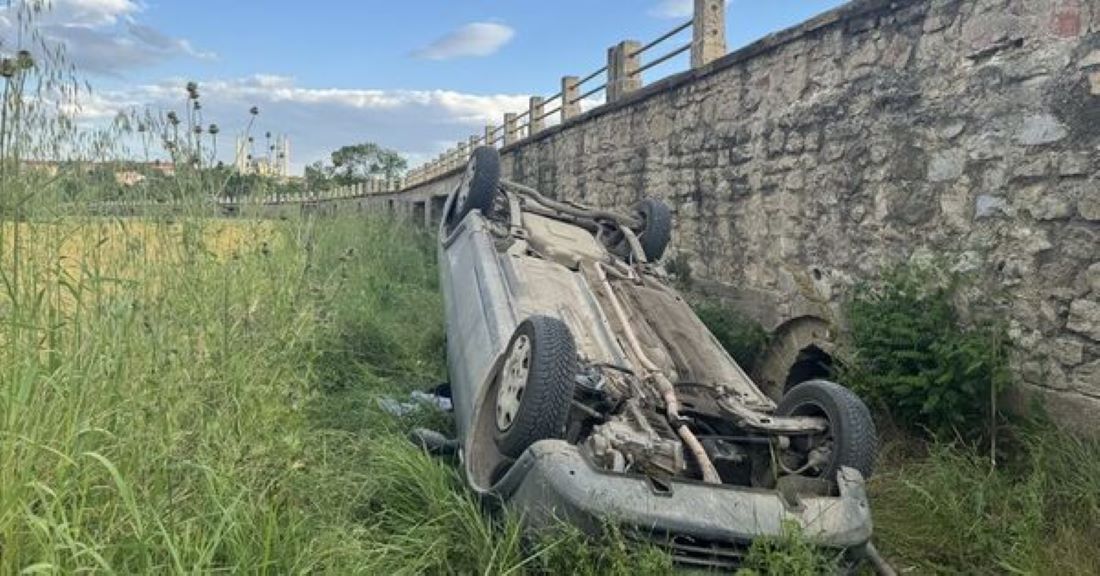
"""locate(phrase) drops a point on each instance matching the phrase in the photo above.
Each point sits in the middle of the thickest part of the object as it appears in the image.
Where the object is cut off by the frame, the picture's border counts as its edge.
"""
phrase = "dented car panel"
(553, 482)
(648, 420)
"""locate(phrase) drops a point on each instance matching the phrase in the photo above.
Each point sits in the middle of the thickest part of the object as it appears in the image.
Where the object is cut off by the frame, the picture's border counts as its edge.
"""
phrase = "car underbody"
(586, 389)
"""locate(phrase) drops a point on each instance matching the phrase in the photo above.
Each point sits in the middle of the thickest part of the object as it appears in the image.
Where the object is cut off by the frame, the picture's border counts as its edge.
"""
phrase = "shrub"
(743, 338)
(909, 352)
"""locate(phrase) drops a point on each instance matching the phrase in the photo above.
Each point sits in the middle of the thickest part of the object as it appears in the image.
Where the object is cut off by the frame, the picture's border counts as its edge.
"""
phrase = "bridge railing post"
(535, 122)
(570, 97)
(490, 135)
(461, 154)
(622, 69)
(511, 130)
(709, 32)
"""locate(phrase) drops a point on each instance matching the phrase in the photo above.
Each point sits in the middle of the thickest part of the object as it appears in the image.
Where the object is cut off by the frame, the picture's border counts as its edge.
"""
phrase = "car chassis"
(586, 389)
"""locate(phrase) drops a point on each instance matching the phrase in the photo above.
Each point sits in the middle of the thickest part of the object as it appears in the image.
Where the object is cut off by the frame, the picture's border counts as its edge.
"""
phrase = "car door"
(479, 314)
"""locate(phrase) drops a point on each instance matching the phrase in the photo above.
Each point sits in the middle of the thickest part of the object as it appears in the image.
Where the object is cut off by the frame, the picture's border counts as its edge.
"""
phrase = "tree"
(360, 162)
(318, 176)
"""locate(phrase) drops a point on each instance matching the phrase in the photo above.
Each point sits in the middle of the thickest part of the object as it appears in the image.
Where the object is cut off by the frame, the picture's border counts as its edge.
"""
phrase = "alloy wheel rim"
(513, 381)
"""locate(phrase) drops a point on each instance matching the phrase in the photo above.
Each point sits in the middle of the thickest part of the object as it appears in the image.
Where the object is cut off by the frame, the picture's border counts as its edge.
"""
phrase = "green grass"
(942, 509)
(179, 402)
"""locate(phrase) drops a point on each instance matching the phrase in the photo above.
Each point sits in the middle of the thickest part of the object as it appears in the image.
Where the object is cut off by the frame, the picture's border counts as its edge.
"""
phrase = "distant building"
(274, 162)
(125, 173)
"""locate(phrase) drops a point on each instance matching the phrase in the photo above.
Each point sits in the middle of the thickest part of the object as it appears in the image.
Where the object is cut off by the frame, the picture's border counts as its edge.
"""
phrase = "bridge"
(881, 132)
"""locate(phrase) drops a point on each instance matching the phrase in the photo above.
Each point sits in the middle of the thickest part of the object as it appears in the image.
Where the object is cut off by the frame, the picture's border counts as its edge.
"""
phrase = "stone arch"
(801, 349)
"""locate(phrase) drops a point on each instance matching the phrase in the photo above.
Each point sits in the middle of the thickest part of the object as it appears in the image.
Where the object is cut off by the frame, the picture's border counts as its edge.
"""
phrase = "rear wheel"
(535, 385)
(479, 184)
(850, 440)
(656, 228)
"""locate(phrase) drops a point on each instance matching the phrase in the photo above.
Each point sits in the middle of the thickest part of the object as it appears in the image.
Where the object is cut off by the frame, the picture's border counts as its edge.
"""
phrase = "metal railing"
(621, 76)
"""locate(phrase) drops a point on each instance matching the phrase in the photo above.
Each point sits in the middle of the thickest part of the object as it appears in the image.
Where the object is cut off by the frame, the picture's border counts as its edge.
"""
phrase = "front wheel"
(535, 385)
(851, 439)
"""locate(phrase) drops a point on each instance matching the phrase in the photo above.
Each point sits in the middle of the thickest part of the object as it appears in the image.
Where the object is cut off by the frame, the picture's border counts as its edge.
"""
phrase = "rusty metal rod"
(664, 37)
(664, 386)
(592, 75)
(662, 59)
(568, 209)
(550, 113)
(589, 93)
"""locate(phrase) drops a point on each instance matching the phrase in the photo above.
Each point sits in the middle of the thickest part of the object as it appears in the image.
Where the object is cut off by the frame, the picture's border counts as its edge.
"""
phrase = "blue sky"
(415, 75)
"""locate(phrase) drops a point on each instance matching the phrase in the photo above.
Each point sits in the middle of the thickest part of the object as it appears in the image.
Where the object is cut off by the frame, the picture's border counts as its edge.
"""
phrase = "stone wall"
(877, 133)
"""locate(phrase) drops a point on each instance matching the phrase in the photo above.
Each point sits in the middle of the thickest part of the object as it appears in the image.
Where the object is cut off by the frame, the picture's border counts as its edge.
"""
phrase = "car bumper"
(700, 523)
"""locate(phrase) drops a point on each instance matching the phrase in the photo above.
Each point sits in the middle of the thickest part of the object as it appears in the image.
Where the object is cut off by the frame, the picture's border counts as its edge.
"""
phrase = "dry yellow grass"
(52, 258)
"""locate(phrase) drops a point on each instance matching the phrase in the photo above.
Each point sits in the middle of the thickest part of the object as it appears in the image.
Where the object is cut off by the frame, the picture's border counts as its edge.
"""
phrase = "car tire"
(850, 425)
(656, 229)
(535, 385)
(480, 183)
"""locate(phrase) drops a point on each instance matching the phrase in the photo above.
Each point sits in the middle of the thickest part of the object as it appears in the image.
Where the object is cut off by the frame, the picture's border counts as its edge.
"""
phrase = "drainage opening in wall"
(811, 363)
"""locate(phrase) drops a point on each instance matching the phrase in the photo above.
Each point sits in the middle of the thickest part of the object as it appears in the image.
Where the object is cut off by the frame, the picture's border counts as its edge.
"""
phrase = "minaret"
(285, 163)
(242, 158)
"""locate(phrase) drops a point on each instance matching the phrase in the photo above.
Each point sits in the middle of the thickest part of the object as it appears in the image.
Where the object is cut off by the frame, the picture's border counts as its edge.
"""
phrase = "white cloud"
(674, 9)
(92, 12)
(103, 36)
(418, 123)
(475, 39)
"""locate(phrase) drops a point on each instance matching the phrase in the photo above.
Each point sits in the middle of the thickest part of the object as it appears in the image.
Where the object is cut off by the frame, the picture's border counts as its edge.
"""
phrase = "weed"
(910, 355)
(949, 512)
(743, 338)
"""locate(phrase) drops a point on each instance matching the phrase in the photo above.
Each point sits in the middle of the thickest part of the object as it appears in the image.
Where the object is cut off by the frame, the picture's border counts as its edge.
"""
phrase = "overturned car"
(585, 388)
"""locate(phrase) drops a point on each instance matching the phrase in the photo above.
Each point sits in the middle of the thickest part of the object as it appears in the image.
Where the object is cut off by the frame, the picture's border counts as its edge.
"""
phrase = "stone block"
(1040, 129)
(1084, 318)
(1089, 204)
(1066, 22)
(952, 129)
(1086, 379)
(946, 165)
(1092, 278)
(1079, 242)
(1074, 164)
(1067, 351)
(1070, 411)
(1092, 59)
(955, 205)
(1033, 166)
(940, 16)
(1031, 240)
(1049, 202)
(989, 206)
(1052, 208)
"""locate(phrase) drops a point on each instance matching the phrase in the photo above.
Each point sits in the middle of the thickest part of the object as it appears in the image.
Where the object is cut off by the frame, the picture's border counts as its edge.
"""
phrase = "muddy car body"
(585, 388)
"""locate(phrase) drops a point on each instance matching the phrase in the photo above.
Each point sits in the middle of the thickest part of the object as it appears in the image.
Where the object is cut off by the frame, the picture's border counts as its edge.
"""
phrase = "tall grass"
(201, 395)
(943, 510)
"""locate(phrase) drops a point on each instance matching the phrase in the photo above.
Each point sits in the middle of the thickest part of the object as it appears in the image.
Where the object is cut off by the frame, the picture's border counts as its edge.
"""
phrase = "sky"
(413, 75)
